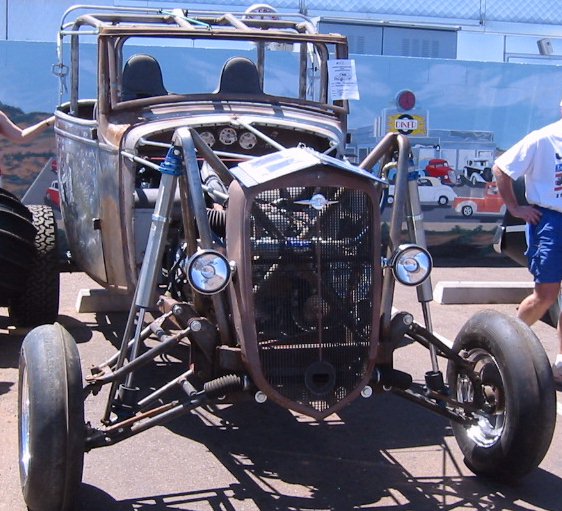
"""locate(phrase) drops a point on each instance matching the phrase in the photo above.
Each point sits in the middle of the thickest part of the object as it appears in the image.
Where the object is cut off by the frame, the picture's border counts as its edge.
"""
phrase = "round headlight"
(208, 272)
(411, 264)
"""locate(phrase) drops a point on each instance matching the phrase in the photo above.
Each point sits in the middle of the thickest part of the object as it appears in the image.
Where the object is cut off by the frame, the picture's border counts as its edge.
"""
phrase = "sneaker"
(557, 372)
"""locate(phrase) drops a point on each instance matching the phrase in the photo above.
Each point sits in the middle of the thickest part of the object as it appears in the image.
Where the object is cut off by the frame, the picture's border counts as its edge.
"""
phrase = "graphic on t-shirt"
(558, 175)
(557, 182)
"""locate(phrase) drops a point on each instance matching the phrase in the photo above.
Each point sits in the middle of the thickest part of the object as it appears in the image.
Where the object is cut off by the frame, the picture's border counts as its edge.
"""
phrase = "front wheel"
(510, 432)
(467, 211)
(50, 419)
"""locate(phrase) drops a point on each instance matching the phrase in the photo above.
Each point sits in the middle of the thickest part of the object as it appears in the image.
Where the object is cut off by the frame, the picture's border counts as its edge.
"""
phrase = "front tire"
(514, 424)
(50, 419)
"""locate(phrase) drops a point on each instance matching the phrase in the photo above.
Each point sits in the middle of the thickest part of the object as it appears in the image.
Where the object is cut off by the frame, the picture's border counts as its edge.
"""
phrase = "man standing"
(538, 158)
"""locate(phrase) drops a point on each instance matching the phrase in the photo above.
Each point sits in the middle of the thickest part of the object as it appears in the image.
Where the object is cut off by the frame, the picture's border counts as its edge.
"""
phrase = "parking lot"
(379, 453)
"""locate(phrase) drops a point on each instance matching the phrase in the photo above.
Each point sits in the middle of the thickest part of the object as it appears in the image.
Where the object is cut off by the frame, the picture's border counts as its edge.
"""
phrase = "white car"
(431, 190)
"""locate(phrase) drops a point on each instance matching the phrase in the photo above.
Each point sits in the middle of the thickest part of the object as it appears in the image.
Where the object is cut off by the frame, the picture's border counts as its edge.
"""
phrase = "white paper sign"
(343, 79)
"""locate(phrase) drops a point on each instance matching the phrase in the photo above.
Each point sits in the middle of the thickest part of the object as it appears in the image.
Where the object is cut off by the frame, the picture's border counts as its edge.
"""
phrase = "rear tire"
(38, 300)
(51, 428)
(17, 246)
(517, 402)
(467, 211)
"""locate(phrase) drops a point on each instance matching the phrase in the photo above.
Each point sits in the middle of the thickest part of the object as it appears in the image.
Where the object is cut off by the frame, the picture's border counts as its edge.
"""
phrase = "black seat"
(239, 75)
(142, 78)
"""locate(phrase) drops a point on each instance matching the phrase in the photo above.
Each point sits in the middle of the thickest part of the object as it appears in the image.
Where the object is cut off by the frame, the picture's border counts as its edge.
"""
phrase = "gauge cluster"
(240, 140)
(231, 139)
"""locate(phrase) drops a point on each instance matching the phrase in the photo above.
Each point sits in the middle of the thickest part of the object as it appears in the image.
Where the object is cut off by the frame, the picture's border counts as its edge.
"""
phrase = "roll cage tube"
(391, 143)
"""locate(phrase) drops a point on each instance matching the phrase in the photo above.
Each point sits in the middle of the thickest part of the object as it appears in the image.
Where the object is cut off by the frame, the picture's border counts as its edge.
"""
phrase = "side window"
(81, 105)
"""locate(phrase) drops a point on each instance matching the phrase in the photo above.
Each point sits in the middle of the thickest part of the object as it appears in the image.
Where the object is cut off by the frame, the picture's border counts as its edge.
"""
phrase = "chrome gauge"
(228, 136)
(247, 140)
(208, 138)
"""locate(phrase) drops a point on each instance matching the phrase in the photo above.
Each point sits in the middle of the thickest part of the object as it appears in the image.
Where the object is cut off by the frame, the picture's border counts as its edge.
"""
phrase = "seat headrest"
(239, 76)
(142, 78)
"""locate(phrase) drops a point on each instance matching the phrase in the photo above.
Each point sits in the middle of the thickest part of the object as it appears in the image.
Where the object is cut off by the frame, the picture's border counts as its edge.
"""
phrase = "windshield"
(194, 67)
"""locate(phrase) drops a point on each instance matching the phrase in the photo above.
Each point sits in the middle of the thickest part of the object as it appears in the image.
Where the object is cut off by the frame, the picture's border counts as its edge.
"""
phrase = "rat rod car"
(252, 249)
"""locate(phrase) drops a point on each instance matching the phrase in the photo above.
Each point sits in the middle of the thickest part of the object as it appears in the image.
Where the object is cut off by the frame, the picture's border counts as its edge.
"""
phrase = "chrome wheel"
(24, 426)
(490, 423)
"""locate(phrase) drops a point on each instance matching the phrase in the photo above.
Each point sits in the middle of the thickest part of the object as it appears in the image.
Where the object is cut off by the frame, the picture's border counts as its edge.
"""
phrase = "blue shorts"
(544, 252)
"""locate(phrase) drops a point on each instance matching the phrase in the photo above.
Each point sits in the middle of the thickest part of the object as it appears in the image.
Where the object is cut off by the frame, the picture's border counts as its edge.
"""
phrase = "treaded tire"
(17, 245)
(38, 301)
(51, 428)
(512, 439)
(10, 201)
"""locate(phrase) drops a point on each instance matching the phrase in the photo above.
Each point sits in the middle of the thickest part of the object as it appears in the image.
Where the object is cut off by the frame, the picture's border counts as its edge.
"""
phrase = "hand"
(530, 214)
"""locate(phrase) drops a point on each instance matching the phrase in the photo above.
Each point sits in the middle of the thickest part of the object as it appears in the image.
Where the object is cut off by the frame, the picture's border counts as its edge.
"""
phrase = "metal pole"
(416, 231)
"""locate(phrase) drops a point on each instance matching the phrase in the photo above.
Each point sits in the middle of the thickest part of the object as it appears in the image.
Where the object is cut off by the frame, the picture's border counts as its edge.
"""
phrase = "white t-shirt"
(538, 157)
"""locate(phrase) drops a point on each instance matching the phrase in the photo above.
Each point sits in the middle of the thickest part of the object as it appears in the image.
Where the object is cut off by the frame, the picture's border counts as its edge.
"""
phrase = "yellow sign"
(407, 123)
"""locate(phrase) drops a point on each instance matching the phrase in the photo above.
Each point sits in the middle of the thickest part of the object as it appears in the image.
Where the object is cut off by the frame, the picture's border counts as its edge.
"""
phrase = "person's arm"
(505, 187)
(17, 135)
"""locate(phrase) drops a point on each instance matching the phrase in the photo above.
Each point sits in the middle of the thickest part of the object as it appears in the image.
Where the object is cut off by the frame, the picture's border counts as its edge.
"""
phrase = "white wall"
(34, 20)
(38, 20)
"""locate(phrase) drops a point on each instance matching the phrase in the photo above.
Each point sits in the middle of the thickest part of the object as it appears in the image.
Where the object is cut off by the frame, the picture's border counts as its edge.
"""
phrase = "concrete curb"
(458, 292)
(446, 292)
(102, 300)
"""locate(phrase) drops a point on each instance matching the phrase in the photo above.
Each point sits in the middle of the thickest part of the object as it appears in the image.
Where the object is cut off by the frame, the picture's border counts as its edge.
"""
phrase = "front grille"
(312, 280)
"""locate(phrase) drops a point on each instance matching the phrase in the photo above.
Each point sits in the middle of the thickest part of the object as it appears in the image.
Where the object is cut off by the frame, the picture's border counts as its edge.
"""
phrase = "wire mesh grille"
(313, 278)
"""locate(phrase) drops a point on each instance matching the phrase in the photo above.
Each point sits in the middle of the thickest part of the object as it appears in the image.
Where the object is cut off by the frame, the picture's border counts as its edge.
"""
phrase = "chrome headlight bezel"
(208, 272)
(411, 264)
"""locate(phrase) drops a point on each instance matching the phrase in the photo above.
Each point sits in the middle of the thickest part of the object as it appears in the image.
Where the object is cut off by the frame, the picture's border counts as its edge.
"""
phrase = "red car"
(490, 204)
(441, 169)
(52, 197)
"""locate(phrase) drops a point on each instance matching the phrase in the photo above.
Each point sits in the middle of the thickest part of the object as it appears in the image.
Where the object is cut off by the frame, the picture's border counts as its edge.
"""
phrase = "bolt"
(260, 397)
(408, 319)
(367, 391)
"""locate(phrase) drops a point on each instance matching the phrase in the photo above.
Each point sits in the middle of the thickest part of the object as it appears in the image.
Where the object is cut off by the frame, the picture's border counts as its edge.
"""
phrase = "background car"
(52, 195)
(490, 204)
(476, 172)
(440, 168)
(431, 192)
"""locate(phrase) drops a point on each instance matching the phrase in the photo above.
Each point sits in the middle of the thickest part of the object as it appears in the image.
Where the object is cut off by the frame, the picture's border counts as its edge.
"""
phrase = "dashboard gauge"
(208, 138)
(228, 136)
(247, 140)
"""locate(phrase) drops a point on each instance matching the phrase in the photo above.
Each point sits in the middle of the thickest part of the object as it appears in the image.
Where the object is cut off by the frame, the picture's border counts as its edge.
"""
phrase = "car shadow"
(369, 456)
(382, 453)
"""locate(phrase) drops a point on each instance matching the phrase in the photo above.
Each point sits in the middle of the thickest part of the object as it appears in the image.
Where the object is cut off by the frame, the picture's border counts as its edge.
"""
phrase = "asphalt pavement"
(379, 453)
